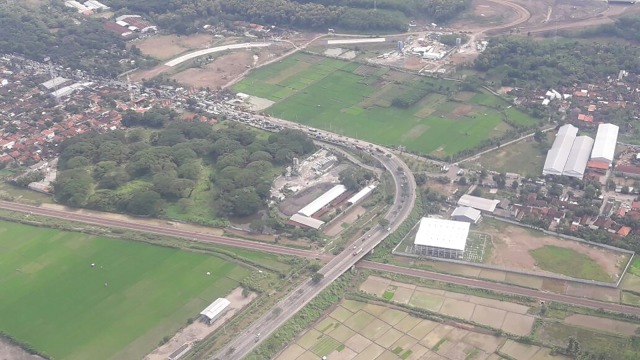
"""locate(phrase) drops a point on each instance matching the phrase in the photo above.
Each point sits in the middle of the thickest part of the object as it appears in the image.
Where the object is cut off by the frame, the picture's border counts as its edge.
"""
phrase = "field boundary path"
(160, 230)
(501, 288)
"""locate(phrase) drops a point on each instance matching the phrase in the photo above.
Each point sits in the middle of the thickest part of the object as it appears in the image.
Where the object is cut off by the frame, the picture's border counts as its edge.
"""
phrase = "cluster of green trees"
(627, 28)
(544, 64)
(186, 16)
(50, 31)
(142, 172)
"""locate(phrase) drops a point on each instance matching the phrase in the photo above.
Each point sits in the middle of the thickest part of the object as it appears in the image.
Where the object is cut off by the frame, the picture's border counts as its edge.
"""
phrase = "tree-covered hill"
(524, 62)
(185, 16)
(188, 167)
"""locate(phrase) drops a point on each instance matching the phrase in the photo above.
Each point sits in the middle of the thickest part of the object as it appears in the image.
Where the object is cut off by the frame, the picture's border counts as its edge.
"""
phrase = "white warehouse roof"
(446, 234)
(470, 213)
(361, 194)
(578, 157)
(307, 221)
(323, 200)
(479, 203)
(215, 308)
(54, 82)
(604, 147)
(559, 152)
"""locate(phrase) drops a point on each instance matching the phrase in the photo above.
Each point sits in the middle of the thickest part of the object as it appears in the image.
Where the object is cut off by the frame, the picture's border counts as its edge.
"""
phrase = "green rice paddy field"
(356, 100)
(53, 299)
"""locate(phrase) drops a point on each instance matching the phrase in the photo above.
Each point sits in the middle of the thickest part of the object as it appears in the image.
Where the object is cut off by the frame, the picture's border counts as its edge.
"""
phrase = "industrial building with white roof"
(559, 152)
(578, 157)
(215, 310)
(467, 214)
(441, 238)
(479, 203)
(323, 200)
(569, 153)
(604, 147)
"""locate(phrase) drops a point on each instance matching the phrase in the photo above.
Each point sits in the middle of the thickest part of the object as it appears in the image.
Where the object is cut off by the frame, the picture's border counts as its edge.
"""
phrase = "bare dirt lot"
(164, 47)
(218, 72)
(10, 351)
(199, 330)
(511, 246)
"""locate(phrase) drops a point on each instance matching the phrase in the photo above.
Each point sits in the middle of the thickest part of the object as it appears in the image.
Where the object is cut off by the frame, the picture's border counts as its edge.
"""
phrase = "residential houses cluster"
(35, 116)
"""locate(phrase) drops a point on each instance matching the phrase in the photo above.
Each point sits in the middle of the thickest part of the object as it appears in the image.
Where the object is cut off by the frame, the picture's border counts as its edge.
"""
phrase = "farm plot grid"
(360, 331)
(134, 294)
(382, 106)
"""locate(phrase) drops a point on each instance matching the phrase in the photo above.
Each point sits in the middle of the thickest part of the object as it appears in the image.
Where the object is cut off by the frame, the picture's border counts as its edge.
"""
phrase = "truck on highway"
(357, 252)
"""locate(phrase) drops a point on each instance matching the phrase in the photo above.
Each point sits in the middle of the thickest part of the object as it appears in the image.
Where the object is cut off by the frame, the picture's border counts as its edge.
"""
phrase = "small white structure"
(604, 147)
(441, 238)
(215, 310)
(466, 214)
(478, 203)
(360, 195)
(323, 200)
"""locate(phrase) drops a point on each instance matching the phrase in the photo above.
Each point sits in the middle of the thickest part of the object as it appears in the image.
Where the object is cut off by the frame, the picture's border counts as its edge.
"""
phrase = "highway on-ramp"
(404, 200)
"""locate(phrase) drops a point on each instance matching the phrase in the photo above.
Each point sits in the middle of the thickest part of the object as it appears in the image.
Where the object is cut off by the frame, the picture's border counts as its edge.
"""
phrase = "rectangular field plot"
(382, 106)
(506, 316)
(391, 335)
(76, 296)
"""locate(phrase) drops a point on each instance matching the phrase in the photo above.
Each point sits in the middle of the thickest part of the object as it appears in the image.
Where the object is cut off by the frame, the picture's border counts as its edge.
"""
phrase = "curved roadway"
(404, 200)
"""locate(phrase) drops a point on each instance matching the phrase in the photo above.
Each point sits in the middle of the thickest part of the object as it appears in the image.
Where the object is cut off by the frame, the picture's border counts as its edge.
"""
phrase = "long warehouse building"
(578, 157)
(323, 200)
(558, 155)
(604, 147)
(441, 238)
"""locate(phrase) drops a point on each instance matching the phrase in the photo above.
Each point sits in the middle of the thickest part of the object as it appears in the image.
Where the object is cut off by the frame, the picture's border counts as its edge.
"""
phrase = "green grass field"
(355, 100)
(51, 297)
(523, 158)
(568, 262)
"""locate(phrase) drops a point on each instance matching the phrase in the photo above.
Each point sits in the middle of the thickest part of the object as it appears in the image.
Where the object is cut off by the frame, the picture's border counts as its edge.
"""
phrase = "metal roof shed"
(478, 203)
(578, 157)
(559, 153)
(444, 234)
(215, 309)
(307, 221)
(322, 201)
(604, 147)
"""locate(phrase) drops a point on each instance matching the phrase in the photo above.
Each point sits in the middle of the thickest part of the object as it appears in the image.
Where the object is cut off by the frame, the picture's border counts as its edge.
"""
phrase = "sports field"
(358, 101)
(136, 294)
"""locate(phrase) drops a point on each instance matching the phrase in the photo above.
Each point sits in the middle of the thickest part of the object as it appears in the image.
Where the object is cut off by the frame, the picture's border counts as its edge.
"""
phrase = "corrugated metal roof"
(307, 221)
(578, 157)
(446, 234)
(479, 203)
(215, 308)
(323, 200)
(361, 194)
(559, 153)
(468, 212)
(604, 147)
